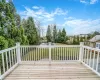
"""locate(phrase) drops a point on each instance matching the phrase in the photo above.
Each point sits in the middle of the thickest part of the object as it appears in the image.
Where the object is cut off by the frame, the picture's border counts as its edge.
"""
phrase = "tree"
(10, 23)
(3, 43)
(54, 34)
(24, 39)
(18, 20)
(31, 31)
(49, 35)
(63, 36)
(59, 36)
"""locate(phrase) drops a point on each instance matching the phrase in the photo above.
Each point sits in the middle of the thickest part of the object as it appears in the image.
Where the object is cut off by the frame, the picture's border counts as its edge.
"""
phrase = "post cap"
(18, 43)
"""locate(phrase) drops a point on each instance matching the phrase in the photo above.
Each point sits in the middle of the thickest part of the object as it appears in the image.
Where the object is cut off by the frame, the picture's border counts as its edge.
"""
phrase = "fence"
(10, 58)
(91, 58)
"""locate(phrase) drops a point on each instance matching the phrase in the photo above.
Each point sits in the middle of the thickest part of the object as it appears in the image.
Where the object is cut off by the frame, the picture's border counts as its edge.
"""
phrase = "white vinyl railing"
(91, 58)
(50, 53)
(8, 60)
(11, 57)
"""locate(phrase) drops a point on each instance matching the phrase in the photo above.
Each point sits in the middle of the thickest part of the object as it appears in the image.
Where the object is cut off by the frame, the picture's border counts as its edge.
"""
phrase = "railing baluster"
(3, 63)
(61, 53)
(64, 53)
(67, 53)
(23, 54)
(57, 53)
(90, 57)
(9, 58)
(93, 60)
(20, 52)
(71, 53)
(28, 53)
(6, 60)
(87, 57)
(38, 54)
(15, 56)
(12, 57)
(31, 56)
(42, 53)
(34, 53)
(97, 62)
(76, 54)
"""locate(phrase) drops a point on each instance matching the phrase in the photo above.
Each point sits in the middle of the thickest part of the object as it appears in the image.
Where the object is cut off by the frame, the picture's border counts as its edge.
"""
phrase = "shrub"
(3, 43)
(11, 42)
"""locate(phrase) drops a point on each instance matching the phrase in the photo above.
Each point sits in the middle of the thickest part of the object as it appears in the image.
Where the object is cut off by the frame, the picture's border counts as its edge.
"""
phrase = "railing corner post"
(18, 52)
(81, 51)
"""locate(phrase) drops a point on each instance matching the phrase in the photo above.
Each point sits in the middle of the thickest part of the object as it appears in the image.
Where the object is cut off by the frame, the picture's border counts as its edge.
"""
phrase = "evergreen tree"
(10, 23)
(59, 37)
(49, 34)
(31, 31)
(63, 36)
(54, 34)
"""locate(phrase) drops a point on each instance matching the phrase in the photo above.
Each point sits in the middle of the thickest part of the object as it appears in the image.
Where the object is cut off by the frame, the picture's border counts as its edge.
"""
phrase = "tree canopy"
(13, 29)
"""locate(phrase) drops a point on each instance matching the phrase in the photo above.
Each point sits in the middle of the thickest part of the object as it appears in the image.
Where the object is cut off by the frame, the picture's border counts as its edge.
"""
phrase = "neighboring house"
(94, 40)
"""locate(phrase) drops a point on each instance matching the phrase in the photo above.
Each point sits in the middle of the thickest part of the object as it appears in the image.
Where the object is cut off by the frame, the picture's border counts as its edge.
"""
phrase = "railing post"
(0, 72)
(81, 51)
(49, 53)
(18, 52)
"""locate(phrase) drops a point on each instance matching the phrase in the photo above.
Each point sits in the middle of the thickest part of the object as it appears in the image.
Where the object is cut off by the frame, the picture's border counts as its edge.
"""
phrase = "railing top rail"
(47, 46)
(5, 50)
(95, 49)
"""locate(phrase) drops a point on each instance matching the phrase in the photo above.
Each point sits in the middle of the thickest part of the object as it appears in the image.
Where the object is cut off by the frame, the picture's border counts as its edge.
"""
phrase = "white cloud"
(35, 7)
(88, 1)
(59, 11)
(93, 1)
(80, 26)
(83, 1)
(41, 14)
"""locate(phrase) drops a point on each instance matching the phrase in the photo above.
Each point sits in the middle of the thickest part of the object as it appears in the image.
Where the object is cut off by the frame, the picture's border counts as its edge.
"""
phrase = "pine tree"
(54, 34)
(63, 36)
(49, 34)
(31, 31)
(59, 36)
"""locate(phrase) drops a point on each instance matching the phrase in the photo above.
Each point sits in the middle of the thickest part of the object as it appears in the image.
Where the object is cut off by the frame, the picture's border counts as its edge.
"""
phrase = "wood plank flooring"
(66, 71)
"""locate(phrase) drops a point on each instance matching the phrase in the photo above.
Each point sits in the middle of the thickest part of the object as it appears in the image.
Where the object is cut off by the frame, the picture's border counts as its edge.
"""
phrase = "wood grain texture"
(65, 71)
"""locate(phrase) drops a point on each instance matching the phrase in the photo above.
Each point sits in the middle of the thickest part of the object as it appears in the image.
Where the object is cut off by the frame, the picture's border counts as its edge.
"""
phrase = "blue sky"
(76, 16)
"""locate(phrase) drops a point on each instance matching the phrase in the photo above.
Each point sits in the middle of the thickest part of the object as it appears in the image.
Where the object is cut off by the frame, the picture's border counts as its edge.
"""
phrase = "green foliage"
(54, 34)
(63, 36)
(18, 20)
(10, 25)
(11, 42)
(57, 37)
(31, 31)
(77, 40)
(3, 43)
(48, 35)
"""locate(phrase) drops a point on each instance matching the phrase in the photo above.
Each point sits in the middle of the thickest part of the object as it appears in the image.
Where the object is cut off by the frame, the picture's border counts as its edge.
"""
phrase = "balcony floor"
(58, 71)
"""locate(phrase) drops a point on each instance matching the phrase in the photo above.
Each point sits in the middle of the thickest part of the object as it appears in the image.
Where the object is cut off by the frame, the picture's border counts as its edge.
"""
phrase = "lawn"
(58, 53)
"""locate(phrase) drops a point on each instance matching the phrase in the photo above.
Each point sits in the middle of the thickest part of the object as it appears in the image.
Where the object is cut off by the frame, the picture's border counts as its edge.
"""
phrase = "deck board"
(68, 71)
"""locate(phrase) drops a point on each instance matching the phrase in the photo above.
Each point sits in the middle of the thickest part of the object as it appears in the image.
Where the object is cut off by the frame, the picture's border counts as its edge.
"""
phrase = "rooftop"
(95, 38)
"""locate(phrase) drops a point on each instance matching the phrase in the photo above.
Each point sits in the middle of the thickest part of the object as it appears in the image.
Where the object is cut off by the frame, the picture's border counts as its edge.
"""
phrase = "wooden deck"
(68, 71)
